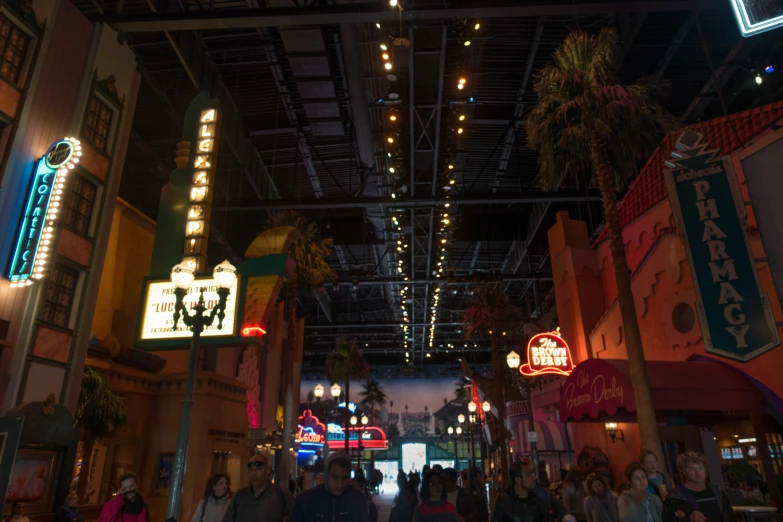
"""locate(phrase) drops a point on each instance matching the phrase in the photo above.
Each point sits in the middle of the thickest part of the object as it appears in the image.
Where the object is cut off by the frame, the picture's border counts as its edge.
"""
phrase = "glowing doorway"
(414, 457)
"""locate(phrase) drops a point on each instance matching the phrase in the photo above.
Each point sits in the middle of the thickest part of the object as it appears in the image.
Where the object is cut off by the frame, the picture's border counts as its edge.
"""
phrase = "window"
(13, 46)
(78, 208)
(59, 295)
(98, 124)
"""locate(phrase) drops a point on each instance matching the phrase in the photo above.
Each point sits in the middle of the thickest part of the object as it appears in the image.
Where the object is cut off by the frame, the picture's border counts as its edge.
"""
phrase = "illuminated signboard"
(547, 353)
(756, 16)
(351, 406)
(311, 430)
(36, 230)
(202, 186)
(157, 320)
(372, 438)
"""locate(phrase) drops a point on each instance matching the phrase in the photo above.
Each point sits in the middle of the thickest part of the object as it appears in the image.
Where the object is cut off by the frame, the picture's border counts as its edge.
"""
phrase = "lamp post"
(472, 419)
(514, 361)
(318, 391)
(485, 407)
(182, 276)
(450, 431)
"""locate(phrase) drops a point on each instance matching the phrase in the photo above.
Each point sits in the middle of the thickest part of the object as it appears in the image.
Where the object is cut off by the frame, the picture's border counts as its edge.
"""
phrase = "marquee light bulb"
(391, 169)
(477, 26)
(393, 117)
(377, 25)
(385, 56)
(387, 66)
(383, 47)
(390, 139)
(460, 86)
(467, 43)
(460, 130)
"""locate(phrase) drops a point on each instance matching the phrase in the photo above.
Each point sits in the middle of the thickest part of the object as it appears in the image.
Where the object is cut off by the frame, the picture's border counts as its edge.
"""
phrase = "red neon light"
(307, 437)
(253, 331)
(547, 353)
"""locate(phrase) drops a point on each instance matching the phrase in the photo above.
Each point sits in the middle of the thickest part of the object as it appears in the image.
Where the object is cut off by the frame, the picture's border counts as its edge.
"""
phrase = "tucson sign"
(734, 312)
(547, 353)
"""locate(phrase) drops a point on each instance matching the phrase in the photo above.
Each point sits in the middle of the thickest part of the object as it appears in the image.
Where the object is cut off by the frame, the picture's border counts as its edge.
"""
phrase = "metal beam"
(398, 280)
(525, 198)
(372, 325)
(223, 19)
(685, 28)
(717, 80)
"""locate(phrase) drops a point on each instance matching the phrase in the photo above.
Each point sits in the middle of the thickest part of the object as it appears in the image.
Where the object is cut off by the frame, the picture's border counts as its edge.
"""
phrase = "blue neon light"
(33, 222)
(756, 19)
(351, 406)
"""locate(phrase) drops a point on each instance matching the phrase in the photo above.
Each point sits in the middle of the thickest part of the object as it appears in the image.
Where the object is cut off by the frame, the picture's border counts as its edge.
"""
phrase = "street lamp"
(182, 277)
(336, 391)
(365, 420)
(450, 430)
(486, 406)
(354, 420)
(513, 361)
(461, 418)
(472, 407)
(318, 391)
(458, 431)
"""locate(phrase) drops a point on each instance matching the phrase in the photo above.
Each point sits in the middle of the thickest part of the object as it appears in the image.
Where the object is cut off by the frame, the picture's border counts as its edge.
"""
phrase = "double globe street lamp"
(182, 277)
(514, 361)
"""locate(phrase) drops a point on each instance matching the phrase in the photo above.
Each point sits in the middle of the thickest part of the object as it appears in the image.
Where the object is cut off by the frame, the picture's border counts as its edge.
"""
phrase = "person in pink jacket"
(127, 504)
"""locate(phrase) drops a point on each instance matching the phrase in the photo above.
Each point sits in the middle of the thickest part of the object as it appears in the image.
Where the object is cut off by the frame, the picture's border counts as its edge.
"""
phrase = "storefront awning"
(600, 388)
(551, 436)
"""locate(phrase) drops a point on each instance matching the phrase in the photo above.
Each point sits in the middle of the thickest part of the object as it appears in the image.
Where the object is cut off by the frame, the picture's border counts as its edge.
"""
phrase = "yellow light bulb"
(450, 167)
(459, 131)
(467, 43)
(393, 117)
(461, 117)
(383, 47)
(385, 56)
(390, 139)
(387, 66)
(477, 26)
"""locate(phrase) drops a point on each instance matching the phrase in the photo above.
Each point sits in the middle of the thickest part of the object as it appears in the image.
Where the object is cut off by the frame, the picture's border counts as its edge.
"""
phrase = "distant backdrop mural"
(414, 407)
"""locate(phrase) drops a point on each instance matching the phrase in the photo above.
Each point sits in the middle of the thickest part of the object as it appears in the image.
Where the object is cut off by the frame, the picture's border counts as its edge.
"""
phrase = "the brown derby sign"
(595, 386)
(547, 353)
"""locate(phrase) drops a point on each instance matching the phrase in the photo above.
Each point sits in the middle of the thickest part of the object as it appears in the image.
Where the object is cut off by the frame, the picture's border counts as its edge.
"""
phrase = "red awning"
(600, 387)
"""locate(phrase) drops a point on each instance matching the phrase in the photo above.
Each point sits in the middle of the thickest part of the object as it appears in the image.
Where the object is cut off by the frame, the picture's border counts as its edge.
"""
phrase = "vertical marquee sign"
(734, 312)
(201, 190)
(35, 234)
(756, 16)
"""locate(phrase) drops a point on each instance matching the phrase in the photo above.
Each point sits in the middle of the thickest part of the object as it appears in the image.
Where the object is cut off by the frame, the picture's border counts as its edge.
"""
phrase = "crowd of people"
(442, 495)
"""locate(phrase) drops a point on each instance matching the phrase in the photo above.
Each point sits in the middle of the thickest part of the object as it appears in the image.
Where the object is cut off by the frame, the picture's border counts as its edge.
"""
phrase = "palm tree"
(310, 399)
(585, 119)
(391, 409)
(346, 362)
(491, 315)
(425, 410)
(99, 413)
(445, 401)
(309, 251)
(461, 393)
(372, 396)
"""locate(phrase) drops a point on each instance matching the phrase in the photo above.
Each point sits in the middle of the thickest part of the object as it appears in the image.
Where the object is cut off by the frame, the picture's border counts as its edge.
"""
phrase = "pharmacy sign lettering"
(734, 312)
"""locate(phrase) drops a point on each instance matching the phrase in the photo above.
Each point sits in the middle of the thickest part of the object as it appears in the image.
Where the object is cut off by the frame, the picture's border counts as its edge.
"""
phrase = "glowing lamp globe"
(318, 391)
(486, 406)
(182, 276)
(461, 418)
(513, 360)
(450, 430)
(336, 390)
(225, 275)
(459, 430)
(365, 420)
(472, 407)
(354, 420)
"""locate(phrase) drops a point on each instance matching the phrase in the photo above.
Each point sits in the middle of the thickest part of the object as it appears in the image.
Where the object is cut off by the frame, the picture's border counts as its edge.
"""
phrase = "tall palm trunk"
(645, 412)
(288, 389)
(84, 471)
(497, 370)
(346, 412)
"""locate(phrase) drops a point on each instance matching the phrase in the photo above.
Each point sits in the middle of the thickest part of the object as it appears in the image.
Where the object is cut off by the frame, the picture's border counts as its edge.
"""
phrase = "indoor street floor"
(384, 503)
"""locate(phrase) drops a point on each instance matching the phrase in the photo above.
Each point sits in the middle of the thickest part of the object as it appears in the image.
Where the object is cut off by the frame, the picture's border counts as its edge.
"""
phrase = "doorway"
(414, 456)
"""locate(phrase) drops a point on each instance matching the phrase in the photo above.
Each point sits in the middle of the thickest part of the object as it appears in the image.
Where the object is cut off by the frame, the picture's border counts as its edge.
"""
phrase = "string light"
(393, 3)
(477, 26)
(383, 47)
(466, 43)
(390, 139)
(387, 66)
(461, 117)
(759, 79)
(460, 130)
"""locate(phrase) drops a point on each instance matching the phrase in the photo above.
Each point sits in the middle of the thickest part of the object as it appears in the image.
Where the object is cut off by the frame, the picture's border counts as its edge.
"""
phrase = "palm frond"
(580, 100)
(99, 412)
(373, 394)
(490, 313)
(346, 361)
(310, 251)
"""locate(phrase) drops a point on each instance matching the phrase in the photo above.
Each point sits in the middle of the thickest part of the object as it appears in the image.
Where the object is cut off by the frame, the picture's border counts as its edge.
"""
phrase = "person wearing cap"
(262, 501)
(334, 500)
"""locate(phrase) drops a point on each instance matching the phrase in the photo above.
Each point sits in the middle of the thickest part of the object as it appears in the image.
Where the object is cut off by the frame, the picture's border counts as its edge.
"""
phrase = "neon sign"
(311, 430)
(351, 406)
(756, 17)
(253, 331)
(547, 353)
(36, 229)
(371, 437)
(197, 227)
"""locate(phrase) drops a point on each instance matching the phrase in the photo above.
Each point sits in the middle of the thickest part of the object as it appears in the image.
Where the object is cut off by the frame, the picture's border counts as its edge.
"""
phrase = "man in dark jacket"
(521, 503)
(334, 501)
(696, 500)
(461, 500)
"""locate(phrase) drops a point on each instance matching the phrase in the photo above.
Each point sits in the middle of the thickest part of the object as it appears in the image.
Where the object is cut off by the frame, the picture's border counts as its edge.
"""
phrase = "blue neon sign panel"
(756, 17)
(33, 222)
(27, 259)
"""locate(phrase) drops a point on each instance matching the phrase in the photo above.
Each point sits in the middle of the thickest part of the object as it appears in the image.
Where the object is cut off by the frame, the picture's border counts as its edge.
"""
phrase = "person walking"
(127, 504)
(478, 490)
(217, 496)
(434, 505)
(520, 503)
(574, 493)
(262, 501)
(659, 483)
(460, 498)
(68, 512)
(696, 500)
(405, 505)
(335, 497)
(637, 504)
(601, 504)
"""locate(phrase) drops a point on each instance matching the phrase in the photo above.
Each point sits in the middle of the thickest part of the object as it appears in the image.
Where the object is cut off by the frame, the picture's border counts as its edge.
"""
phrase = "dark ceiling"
(306, 103)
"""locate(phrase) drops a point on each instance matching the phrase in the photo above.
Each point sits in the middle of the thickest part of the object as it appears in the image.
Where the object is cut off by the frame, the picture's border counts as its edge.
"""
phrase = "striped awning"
(551, 437)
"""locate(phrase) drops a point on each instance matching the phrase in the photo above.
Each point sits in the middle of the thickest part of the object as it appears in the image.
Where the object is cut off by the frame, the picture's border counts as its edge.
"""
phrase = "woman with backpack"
(217, 496)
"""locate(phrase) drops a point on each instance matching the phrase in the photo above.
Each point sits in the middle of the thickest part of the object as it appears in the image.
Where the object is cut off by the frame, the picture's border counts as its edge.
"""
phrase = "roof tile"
(648, 188)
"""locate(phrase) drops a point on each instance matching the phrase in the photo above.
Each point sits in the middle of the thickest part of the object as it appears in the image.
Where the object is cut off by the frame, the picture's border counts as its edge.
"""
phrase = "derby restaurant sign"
(734, 312)
(547, 353)
(595, 386)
